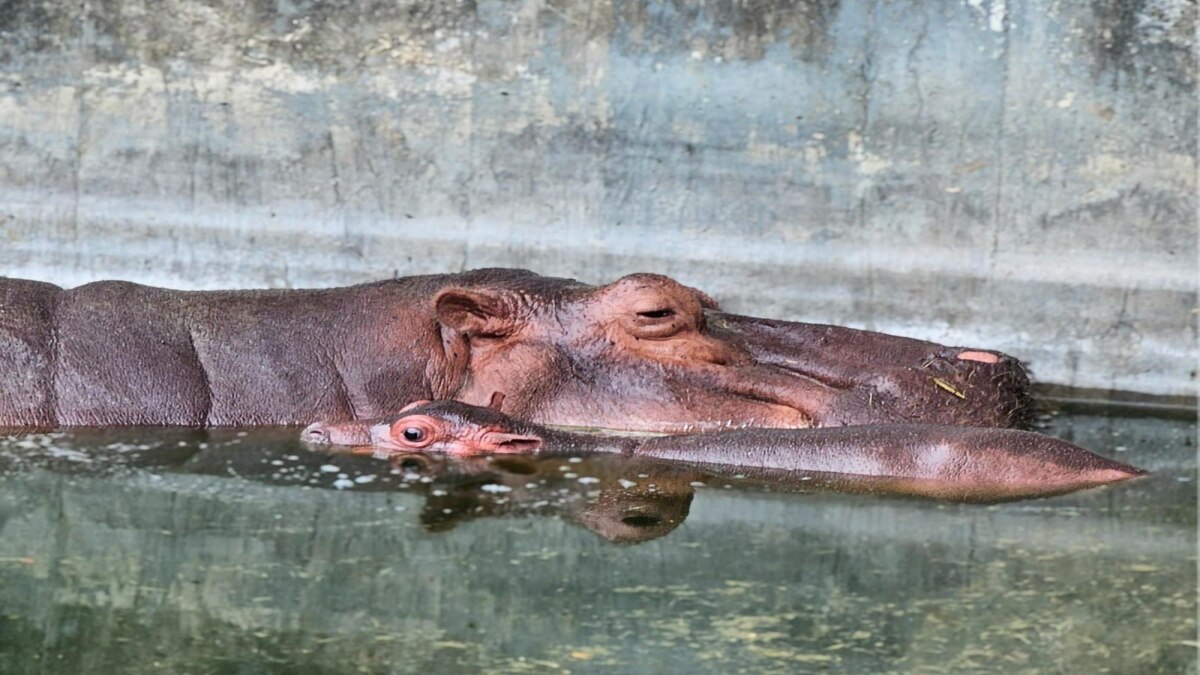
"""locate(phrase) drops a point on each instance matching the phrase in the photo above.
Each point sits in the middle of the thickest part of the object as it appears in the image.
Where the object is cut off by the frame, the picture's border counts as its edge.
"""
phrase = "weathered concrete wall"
(1018, 174)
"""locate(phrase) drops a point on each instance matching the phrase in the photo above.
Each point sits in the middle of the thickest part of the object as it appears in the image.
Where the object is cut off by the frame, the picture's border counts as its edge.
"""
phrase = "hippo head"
(448, 427)
(647, 353)
(457, 447)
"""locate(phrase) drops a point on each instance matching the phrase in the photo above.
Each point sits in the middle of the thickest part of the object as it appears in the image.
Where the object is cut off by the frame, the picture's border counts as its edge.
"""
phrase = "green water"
(190, 552)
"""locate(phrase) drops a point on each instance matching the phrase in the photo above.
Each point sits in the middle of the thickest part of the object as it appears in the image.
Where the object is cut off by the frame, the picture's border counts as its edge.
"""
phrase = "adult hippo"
(964, 464)
(641, 353)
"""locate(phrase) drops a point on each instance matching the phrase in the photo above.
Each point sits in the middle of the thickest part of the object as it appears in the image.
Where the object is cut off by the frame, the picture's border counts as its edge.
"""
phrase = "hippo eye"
(658, 322)
(412, 431)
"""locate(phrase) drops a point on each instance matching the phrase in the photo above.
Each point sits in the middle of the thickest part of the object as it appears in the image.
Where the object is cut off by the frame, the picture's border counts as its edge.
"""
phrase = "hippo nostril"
(981, 357)
(315, 433)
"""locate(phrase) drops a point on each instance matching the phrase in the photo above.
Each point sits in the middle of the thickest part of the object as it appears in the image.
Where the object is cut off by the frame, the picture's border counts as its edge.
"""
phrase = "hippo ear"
(474, 313)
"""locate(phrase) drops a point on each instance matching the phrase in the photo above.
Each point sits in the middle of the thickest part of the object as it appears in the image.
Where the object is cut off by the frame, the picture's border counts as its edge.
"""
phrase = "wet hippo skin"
(926, 460)
(641, 353)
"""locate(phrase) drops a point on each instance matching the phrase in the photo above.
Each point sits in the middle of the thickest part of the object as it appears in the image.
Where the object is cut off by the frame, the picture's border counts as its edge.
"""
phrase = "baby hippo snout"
(355, 433)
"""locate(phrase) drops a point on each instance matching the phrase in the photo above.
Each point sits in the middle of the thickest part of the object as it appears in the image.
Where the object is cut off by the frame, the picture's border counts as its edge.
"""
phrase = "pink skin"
(957, 463)
(981, 357)
(673, 363)
(415, 431)
(945, 462)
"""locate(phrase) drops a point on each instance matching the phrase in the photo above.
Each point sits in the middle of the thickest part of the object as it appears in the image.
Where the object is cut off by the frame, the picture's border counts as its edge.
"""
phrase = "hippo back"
(27, 352)
(118, 353)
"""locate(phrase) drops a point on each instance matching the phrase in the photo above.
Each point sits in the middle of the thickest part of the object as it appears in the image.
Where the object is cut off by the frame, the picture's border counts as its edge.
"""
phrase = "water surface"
(209, 552)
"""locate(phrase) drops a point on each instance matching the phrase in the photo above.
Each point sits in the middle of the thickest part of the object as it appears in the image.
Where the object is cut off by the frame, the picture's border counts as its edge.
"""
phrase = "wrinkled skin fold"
(966, 464)
(642, 353)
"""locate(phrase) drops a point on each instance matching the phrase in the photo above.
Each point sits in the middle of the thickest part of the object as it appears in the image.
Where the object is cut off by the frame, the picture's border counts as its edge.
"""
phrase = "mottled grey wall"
(1018, 174)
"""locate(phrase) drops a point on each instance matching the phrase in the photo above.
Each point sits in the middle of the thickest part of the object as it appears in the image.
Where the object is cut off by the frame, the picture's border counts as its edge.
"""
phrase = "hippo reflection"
(623, 498)
(622, 501)
(642, 353)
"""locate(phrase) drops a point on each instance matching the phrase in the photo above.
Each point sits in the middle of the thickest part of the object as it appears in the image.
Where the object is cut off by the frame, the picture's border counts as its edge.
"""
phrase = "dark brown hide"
(641, 353)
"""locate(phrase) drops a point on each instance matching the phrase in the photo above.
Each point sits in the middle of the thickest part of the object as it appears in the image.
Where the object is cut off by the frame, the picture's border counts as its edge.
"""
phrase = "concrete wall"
(1011, 173)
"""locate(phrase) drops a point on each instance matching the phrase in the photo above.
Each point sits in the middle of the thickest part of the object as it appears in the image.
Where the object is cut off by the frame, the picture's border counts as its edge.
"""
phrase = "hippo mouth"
(836, 376)
(761, 395)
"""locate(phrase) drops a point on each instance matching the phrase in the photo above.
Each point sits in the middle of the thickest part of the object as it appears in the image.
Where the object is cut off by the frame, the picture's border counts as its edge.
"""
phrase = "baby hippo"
(441, 426)
(944, 462)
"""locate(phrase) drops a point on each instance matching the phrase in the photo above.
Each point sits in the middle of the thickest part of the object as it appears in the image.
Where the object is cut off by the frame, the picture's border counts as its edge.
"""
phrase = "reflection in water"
(624, 499)
(193, 551)
(952, 463)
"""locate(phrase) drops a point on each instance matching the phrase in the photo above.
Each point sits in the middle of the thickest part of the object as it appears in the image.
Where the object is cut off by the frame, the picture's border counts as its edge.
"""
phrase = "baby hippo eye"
(658, 313)
(414, 431)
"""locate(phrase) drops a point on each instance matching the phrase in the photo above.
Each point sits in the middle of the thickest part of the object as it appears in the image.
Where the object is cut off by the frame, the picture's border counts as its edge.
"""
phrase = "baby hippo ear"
(476, 313)
(504, 442)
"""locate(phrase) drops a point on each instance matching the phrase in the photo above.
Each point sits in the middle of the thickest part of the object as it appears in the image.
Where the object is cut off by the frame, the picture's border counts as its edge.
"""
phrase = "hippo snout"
(351, 434)
(316, 432)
